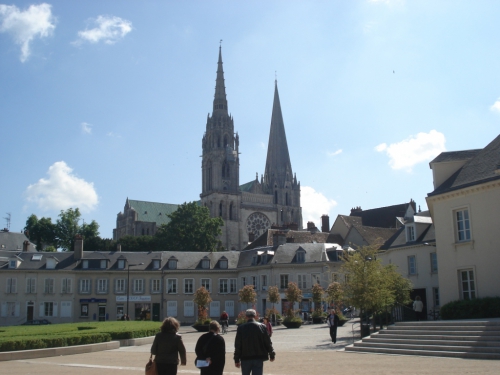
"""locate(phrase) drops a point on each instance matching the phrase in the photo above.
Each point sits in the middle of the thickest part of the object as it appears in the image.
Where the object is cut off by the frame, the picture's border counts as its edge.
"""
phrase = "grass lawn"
(55, 335)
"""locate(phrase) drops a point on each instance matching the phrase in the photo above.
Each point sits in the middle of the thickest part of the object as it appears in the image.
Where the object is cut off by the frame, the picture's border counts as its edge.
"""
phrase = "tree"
(334, 293)
(273, 296)
(41, 231)
(67, 228)
(202, 299)
(317, 297)
(190, 229)
(139, 243)
(293, 295)
(247, 294)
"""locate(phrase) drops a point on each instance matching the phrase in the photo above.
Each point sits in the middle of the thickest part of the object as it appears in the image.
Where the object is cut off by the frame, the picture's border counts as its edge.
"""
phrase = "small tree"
(202, 299)
(334, 293)
(317, 297)
(247, 294)
(273, 296)
(293, 295)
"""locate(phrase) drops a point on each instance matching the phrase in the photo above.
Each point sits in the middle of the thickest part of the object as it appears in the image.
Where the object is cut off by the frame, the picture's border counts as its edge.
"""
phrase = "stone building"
(247, 210)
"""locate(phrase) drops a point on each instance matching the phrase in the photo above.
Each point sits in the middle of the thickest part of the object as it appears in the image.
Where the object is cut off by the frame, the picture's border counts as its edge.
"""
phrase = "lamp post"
(128, 281)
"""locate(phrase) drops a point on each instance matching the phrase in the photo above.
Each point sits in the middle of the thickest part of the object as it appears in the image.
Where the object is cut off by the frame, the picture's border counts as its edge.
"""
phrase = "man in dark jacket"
(252, 346)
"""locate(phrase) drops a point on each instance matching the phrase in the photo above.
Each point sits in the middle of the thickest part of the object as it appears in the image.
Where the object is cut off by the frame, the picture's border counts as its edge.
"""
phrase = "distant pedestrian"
(418, 307)
(168, 347)
(252, 346)
(333, 322)
(269, 326)
(211, 347)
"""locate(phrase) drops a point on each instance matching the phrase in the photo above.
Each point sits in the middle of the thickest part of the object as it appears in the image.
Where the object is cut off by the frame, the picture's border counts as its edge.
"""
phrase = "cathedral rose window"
(258, 223)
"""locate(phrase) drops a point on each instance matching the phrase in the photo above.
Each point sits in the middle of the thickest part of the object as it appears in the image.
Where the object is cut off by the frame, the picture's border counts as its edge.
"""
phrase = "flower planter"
(292, 324)
(317, 320)
(342, 322)
(201, 327)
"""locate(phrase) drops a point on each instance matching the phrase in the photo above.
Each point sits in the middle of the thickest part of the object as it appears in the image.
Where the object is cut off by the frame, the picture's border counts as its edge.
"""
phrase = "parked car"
(36, 322)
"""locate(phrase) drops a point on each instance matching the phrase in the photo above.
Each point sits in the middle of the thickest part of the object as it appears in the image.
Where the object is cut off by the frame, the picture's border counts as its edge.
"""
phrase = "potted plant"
(317, 296)
(273, 296)
(293, 295)
(242, 318)
(202, 299)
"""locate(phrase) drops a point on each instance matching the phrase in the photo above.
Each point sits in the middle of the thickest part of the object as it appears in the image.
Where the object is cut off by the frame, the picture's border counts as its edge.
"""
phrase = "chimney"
(279, 238)
(325, 223)
(119, 247)
(78, 253)
(26, 244)
(310, 226)
(356, 209)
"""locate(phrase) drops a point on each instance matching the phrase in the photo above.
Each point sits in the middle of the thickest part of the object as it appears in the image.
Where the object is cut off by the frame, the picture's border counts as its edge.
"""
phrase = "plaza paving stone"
(307, 350)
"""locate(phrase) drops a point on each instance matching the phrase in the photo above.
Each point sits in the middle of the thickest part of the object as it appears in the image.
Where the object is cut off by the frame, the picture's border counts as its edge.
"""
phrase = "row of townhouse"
(84, 286)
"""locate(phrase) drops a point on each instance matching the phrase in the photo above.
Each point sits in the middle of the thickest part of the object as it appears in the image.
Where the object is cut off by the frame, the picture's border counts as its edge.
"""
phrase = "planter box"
(201, 327)
(318, 320)
(292, 324)
(342, 322)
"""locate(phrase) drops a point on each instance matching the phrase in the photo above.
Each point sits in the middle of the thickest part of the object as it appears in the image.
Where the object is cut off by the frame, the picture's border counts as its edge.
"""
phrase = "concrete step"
(388, 335)
(454, 354)
(461, 323)
(436, 327)
(439, 332)
(437, 348)
(419, 341)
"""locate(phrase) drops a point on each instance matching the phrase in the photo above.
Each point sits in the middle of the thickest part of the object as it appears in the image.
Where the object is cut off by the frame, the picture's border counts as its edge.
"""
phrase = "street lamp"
(128, 281)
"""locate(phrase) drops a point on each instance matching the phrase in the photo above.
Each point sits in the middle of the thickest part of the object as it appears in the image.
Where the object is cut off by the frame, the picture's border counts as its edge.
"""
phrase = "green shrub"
(478, 308)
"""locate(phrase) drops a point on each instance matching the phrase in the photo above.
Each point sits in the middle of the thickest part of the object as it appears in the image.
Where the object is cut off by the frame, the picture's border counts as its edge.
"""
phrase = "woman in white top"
(418, 307)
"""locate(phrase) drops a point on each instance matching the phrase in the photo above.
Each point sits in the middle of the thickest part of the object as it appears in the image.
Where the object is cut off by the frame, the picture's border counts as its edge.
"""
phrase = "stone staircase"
(449, 338)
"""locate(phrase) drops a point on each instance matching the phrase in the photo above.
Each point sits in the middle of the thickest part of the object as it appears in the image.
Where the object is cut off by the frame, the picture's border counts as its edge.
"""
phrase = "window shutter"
(17, 309)
(41, 310)
(54, 309)
(28, 285)
(8, 285)
(3, 311)
(13, 288)
(69, 285)
(33, 285)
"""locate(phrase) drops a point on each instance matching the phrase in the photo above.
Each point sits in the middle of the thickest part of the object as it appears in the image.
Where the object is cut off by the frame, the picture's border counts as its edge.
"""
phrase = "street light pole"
(128, 282)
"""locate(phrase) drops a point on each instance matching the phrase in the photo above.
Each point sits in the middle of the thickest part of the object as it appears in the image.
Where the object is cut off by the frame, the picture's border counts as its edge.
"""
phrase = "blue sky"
(104, 100)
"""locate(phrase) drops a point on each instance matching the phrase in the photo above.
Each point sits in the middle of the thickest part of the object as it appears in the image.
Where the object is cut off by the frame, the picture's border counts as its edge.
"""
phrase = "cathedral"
(247, 210)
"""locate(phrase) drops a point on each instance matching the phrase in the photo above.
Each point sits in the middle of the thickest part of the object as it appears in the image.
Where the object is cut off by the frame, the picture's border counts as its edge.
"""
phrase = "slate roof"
(383, 217)
(398, 240)
(13, 241)
(455, 156)
(247, 187)
(185, 260)
(480, 169)
(285, 254)
(374, 235)
(295, 236)
(153, 211)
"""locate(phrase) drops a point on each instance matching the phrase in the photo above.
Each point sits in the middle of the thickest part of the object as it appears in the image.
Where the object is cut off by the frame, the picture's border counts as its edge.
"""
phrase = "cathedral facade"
(248, 210)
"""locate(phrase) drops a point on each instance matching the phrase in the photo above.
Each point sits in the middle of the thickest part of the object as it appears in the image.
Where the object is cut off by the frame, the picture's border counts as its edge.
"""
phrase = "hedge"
(478, 308)
(7, 345)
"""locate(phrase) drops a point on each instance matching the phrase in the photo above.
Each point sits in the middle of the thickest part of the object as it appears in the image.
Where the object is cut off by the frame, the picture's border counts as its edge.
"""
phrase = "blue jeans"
(252, 366)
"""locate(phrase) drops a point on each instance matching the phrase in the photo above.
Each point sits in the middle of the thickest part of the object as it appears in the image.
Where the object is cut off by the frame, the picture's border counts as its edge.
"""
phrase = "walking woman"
(167, 347)
(211, 347)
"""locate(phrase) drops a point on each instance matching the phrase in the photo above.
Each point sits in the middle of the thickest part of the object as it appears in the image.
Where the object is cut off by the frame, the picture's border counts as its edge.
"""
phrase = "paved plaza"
(307, 350)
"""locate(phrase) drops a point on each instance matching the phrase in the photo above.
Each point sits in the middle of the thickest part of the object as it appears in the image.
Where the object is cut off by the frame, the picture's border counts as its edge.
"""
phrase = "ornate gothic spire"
(278, 166)
(220, 101)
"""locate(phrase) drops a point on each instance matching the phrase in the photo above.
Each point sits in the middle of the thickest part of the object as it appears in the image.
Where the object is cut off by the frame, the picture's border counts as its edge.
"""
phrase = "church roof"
(278, 159)
(153, 211)
(248, 186)
(481, 168)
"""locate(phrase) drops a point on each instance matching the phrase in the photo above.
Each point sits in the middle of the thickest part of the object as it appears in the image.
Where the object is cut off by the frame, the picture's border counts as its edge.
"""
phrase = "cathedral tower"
(220, 163)
(279, 180)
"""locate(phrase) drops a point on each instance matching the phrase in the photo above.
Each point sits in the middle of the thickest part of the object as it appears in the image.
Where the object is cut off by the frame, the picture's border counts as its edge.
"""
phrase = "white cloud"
(113, 135)
(62, 190)
(314, 205)
(86, 128)
(24, 26)
(496, 106)
(109, 29)
(413, 150)
(335, 153)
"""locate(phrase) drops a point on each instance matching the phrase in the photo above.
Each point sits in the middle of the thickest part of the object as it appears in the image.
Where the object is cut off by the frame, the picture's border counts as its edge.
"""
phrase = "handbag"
(151, 367)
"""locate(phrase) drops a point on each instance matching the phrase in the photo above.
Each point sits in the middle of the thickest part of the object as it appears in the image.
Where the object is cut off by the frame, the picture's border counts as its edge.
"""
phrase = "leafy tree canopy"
(190, 229)
(41, 231)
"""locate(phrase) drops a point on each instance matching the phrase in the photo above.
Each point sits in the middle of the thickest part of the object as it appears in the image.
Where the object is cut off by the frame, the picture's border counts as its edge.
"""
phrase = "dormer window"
(301, 256)
(85, 264)
(263, 259)
(205, 264)
(255, 260)
(51, 264)
(172, 264)
(13, 264)
(156, 264)
(121, 264)
(103, 264)
(223, 264)
(410, 233)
